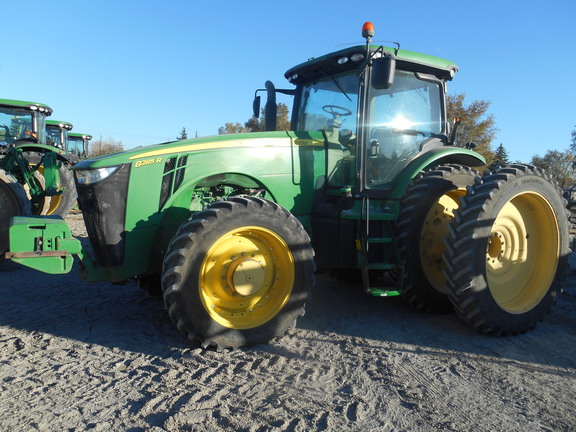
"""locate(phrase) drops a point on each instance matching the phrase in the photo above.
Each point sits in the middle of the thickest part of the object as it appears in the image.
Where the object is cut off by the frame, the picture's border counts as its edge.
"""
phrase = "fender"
(43, 148)
(432, 157)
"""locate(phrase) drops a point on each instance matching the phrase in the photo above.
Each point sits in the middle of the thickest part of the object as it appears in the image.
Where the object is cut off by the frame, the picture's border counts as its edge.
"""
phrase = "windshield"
(322, 99)
(75, 145)
(330, 105)
(401, 118)
(15, 124)
(54, 137)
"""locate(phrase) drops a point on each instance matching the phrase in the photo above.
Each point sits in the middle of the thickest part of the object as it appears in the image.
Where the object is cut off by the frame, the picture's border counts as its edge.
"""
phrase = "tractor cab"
(378, 108)
(57, 133)
(382, 114)
(78, 144)
(22, 121)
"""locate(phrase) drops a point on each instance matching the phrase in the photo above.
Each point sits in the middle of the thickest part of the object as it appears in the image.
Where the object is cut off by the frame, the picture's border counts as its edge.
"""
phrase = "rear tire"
(60, 205)
(57, 205)
(508, 250)
(238, 273)
(42, 206)
(13, 202)
(426, 210)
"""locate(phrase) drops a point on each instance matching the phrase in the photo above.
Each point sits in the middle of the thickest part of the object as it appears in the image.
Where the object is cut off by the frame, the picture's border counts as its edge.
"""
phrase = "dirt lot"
(79, 356)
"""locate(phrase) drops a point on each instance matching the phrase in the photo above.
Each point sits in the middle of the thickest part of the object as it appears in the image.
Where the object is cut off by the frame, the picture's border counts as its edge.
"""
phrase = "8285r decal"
(142, 163)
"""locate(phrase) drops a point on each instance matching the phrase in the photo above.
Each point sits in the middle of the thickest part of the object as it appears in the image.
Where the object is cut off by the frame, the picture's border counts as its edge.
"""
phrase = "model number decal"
(148, 162)
(309, 143)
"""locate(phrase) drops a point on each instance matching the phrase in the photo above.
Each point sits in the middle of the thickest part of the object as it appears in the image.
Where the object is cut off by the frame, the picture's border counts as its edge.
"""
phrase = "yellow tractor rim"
(51, 203)
(434, 232)
(246, 277)
(522, 252)
(44, 204)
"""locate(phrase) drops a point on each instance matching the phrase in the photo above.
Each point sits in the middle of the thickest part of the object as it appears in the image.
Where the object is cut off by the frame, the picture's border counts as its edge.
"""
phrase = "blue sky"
(140, 71)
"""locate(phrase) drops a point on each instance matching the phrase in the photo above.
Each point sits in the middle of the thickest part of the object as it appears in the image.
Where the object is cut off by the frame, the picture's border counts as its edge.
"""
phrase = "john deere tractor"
(29, 169)
(40, 169)
(59, 135)
(78, 144)
(231, 228)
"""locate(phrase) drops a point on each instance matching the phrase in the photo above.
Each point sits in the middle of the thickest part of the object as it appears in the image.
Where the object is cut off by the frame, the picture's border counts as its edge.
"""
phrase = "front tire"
(508, 250)
(238, 273)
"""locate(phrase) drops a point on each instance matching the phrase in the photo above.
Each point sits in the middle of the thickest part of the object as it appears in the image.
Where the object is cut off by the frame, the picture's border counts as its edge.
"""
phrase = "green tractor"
(78, 146)
(57, 132)
(75, 145)
(29, 169)
(231, 228)
(41, 168)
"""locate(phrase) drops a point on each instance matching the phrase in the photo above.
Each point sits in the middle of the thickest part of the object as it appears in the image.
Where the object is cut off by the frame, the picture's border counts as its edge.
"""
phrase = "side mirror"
(383, 70)
(270, 109)
(256, 107)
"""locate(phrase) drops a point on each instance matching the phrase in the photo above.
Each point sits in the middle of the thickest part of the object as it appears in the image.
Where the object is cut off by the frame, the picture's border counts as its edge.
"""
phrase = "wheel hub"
(522, 252)
(246, 276)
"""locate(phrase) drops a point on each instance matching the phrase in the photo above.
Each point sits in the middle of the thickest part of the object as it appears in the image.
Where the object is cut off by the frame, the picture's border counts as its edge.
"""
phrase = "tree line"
(101, 147)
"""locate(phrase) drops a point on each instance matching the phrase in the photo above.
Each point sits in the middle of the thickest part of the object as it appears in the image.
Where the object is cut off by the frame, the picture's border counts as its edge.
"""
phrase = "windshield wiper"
(337, 84)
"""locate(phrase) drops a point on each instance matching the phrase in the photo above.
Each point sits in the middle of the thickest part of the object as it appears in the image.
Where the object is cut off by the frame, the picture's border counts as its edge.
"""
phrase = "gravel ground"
(77, 356)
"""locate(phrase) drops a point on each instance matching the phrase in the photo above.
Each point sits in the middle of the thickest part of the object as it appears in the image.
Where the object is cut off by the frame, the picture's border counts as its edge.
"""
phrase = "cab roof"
(79, 135)
(59, 124)
(406, 60)
(32, 106)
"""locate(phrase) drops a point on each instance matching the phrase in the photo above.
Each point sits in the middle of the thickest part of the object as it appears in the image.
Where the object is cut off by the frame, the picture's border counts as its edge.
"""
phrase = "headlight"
(91, 176)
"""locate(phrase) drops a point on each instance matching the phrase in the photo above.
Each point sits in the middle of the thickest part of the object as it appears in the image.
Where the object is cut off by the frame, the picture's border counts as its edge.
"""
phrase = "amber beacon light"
(368, 30)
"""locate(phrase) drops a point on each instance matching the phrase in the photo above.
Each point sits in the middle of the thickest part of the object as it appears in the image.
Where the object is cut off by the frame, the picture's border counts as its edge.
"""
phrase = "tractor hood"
(154, 153)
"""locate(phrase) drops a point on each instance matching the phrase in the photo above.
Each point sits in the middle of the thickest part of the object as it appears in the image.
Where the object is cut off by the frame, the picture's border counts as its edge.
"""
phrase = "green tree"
(559, 165)
(283, 121)
(573, 143)
(183, 135)
(106, 146)
(232, 128)
(257, 124)
(476, 124)
(501, 157)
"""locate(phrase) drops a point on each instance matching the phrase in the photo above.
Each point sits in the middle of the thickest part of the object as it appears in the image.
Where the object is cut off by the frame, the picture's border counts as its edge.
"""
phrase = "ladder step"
(380, 266)
(379, 240)
(383, 292)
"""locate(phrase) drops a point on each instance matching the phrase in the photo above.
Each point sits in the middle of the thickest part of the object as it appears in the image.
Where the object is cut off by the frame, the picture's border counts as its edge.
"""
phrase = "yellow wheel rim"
(434, 232)
(246, 277)
(51, 203)
(43, 205)
(522, 253)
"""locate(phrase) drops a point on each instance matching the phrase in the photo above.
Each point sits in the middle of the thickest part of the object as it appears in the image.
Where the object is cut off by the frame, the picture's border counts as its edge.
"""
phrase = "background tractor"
(38, 175)
(78, 146)
(230, 229)
(59, 135)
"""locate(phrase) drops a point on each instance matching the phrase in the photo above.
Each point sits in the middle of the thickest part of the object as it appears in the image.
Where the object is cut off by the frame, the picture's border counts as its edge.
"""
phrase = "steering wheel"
(337, 111)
